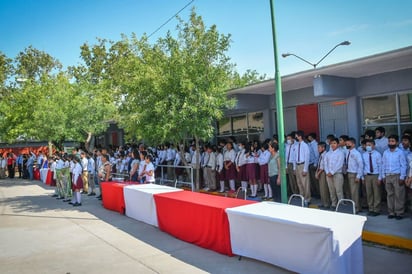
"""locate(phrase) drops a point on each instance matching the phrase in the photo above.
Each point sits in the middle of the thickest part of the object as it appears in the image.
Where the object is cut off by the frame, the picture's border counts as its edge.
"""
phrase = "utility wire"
(171, 18)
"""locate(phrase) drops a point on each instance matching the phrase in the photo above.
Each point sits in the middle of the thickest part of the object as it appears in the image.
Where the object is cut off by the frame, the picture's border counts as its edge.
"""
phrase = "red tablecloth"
(197, 218)
(49, 177)
(113, 198)
(36, 174)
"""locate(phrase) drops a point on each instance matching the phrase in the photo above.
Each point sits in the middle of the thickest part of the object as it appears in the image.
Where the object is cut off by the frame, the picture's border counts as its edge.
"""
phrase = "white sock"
(244, 185)
(252, 190)
(222, 186)
(78, 197)
(232, 184)
(265, 186)
(270, 191)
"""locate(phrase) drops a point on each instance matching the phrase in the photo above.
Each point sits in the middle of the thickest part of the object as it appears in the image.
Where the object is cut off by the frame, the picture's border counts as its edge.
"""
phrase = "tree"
(178, 86)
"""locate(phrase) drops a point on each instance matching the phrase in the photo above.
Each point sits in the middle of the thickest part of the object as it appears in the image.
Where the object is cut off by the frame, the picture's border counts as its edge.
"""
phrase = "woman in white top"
(134, 171)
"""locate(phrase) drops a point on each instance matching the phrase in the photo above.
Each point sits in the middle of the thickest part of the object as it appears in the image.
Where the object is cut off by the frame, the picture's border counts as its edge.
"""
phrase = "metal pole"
(279, 110)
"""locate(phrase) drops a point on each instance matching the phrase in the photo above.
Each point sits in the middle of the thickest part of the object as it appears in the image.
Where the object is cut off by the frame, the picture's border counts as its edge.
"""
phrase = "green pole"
(279, 110)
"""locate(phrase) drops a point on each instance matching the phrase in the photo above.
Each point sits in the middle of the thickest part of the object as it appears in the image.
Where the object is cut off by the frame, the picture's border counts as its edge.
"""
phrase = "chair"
(241, 193)
(346, 206)
(296, 200)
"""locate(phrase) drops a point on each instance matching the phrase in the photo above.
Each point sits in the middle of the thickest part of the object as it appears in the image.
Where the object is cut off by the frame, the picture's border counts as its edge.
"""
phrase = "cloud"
(399, 24)
(349, 29)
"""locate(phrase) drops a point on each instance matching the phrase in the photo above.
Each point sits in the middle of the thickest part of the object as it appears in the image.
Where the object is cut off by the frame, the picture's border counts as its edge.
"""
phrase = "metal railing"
(186, 177)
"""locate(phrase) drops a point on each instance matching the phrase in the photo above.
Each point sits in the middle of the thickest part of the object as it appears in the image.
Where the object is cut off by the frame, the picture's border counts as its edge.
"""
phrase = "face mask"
(289, 142)
(368, 148)
(348, 147)
(392, 146)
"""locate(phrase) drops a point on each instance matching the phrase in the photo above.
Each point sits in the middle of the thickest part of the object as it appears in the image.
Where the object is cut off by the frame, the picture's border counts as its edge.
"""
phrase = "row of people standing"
(343, 170)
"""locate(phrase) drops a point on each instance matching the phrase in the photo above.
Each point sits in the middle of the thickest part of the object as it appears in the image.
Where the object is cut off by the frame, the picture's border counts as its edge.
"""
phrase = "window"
(244, 127)
(393, 112)
(239, 124)
(379, 110)
(255, 122)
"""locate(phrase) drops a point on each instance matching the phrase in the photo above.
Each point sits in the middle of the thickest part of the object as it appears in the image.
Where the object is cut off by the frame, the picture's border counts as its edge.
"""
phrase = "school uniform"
(302, 156)
(323, 185)
(372, 172)
(334, 160)
(290, 163)
(394, 169)
(354, 164)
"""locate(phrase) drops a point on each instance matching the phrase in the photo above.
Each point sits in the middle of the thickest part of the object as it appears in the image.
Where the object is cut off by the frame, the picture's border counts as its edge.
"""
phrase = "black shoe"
(370, 213)
(59, 198)
(83, 192)
(399, 217)
(391, 216)
(66, 200)
(77, 204)
(55, 195)
(71, 203)
(99, 197)
(377, 213)
(91, 194)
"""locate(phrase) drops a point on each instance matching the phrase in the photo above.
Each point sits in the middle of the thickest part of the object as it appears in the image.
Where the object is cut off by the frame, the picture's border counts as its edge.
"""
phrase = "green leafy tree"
(177, 87)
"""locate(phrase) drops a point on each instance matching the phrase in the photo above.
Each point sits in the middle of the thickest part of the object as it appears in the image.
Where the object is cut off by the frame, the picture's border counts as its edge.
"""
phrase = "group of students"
(337, 169)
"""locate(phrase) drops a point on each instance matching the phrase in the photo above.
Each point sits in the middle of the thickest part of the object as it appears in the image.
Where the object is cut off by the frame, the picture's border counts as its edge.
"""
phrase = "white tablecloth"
(139, 201)
(300, 239)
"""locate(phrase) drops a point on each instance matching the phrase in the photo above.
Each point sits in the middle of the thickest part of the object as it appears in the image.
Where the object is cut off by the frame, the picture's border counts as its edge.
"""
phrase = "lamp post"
(344, 43)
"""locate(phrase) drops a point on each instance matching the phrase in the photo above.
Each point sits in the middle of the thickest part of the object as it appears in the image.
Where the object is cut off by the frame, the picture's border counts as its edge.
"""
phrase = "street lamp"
(344, 43)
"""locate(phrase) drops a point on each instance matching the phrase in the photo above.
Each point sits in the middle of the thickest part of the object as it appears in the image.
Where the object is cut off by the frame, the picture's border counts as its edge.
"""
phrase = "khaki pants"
(314, 183)
(292, 179)
(373, 193)
(210, 178)
(324, 190)
(395, 195)
(354, 190)
(303, 183)
(85, 177)
(335, 185)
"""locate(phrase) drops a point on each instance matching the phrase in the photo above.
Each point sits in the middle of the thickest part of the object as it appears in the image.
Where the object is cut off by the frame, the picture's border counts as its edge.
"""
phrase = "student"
(380, 140)
(393, 175)
(321, 176)
(334, 161)
(313, 160)
(354, 164)
(240, 162)
(229, 164)
(301, 167)
(290, 162)
(142, 167)
(263, 160)
(372, 172)
(251, 172)
(105, 172)
(77, 182)
(148, 170)
(220, 171)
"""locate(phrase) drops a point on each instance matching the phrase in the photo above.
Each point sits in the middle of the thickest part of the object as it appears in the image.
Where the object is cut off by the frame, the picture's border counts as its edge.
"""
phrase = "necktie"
(299, 153)
(370, 163)
(347, 159)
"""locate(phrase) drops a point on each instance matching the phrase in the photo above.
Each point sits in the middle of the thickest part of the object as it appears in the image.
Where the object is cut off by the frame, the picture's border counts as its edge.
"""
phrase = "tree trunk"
(89, 144)
(50, 145)
(197, 163)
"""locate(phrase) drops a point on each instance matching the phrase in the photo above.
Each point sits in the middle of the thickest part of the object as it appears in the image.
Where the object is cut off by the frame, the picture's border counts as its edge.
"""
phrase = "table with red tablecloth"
(113, 198)
(197, 218)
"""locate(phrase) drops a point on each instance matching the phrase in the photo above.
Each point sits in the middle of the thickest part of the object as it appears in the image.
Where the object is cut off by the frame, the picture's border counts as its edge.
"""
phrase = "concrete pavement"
(39, 234)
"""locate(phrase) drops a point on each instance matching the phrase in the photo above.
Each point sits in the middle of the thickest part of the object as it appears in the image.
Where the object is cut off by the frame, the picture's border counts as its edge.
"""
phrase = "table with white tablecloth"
(139, 201)
(303, 240)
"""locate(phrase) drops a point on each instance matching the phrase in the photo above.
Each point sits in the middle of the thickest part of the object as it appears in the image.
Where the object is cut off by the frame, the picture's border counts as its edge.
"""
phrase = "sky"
(307, 28)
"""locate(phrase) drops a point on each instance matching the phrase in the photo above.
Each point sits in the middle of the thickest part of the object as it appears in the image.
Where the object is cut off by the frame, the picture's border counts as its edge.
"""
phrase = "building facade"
(345, 98)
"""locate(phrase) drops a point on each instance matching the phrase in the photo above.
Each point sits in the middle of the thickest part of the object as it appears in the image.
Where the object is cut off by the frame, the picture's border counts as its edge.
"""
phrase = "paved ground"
(39, 234)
